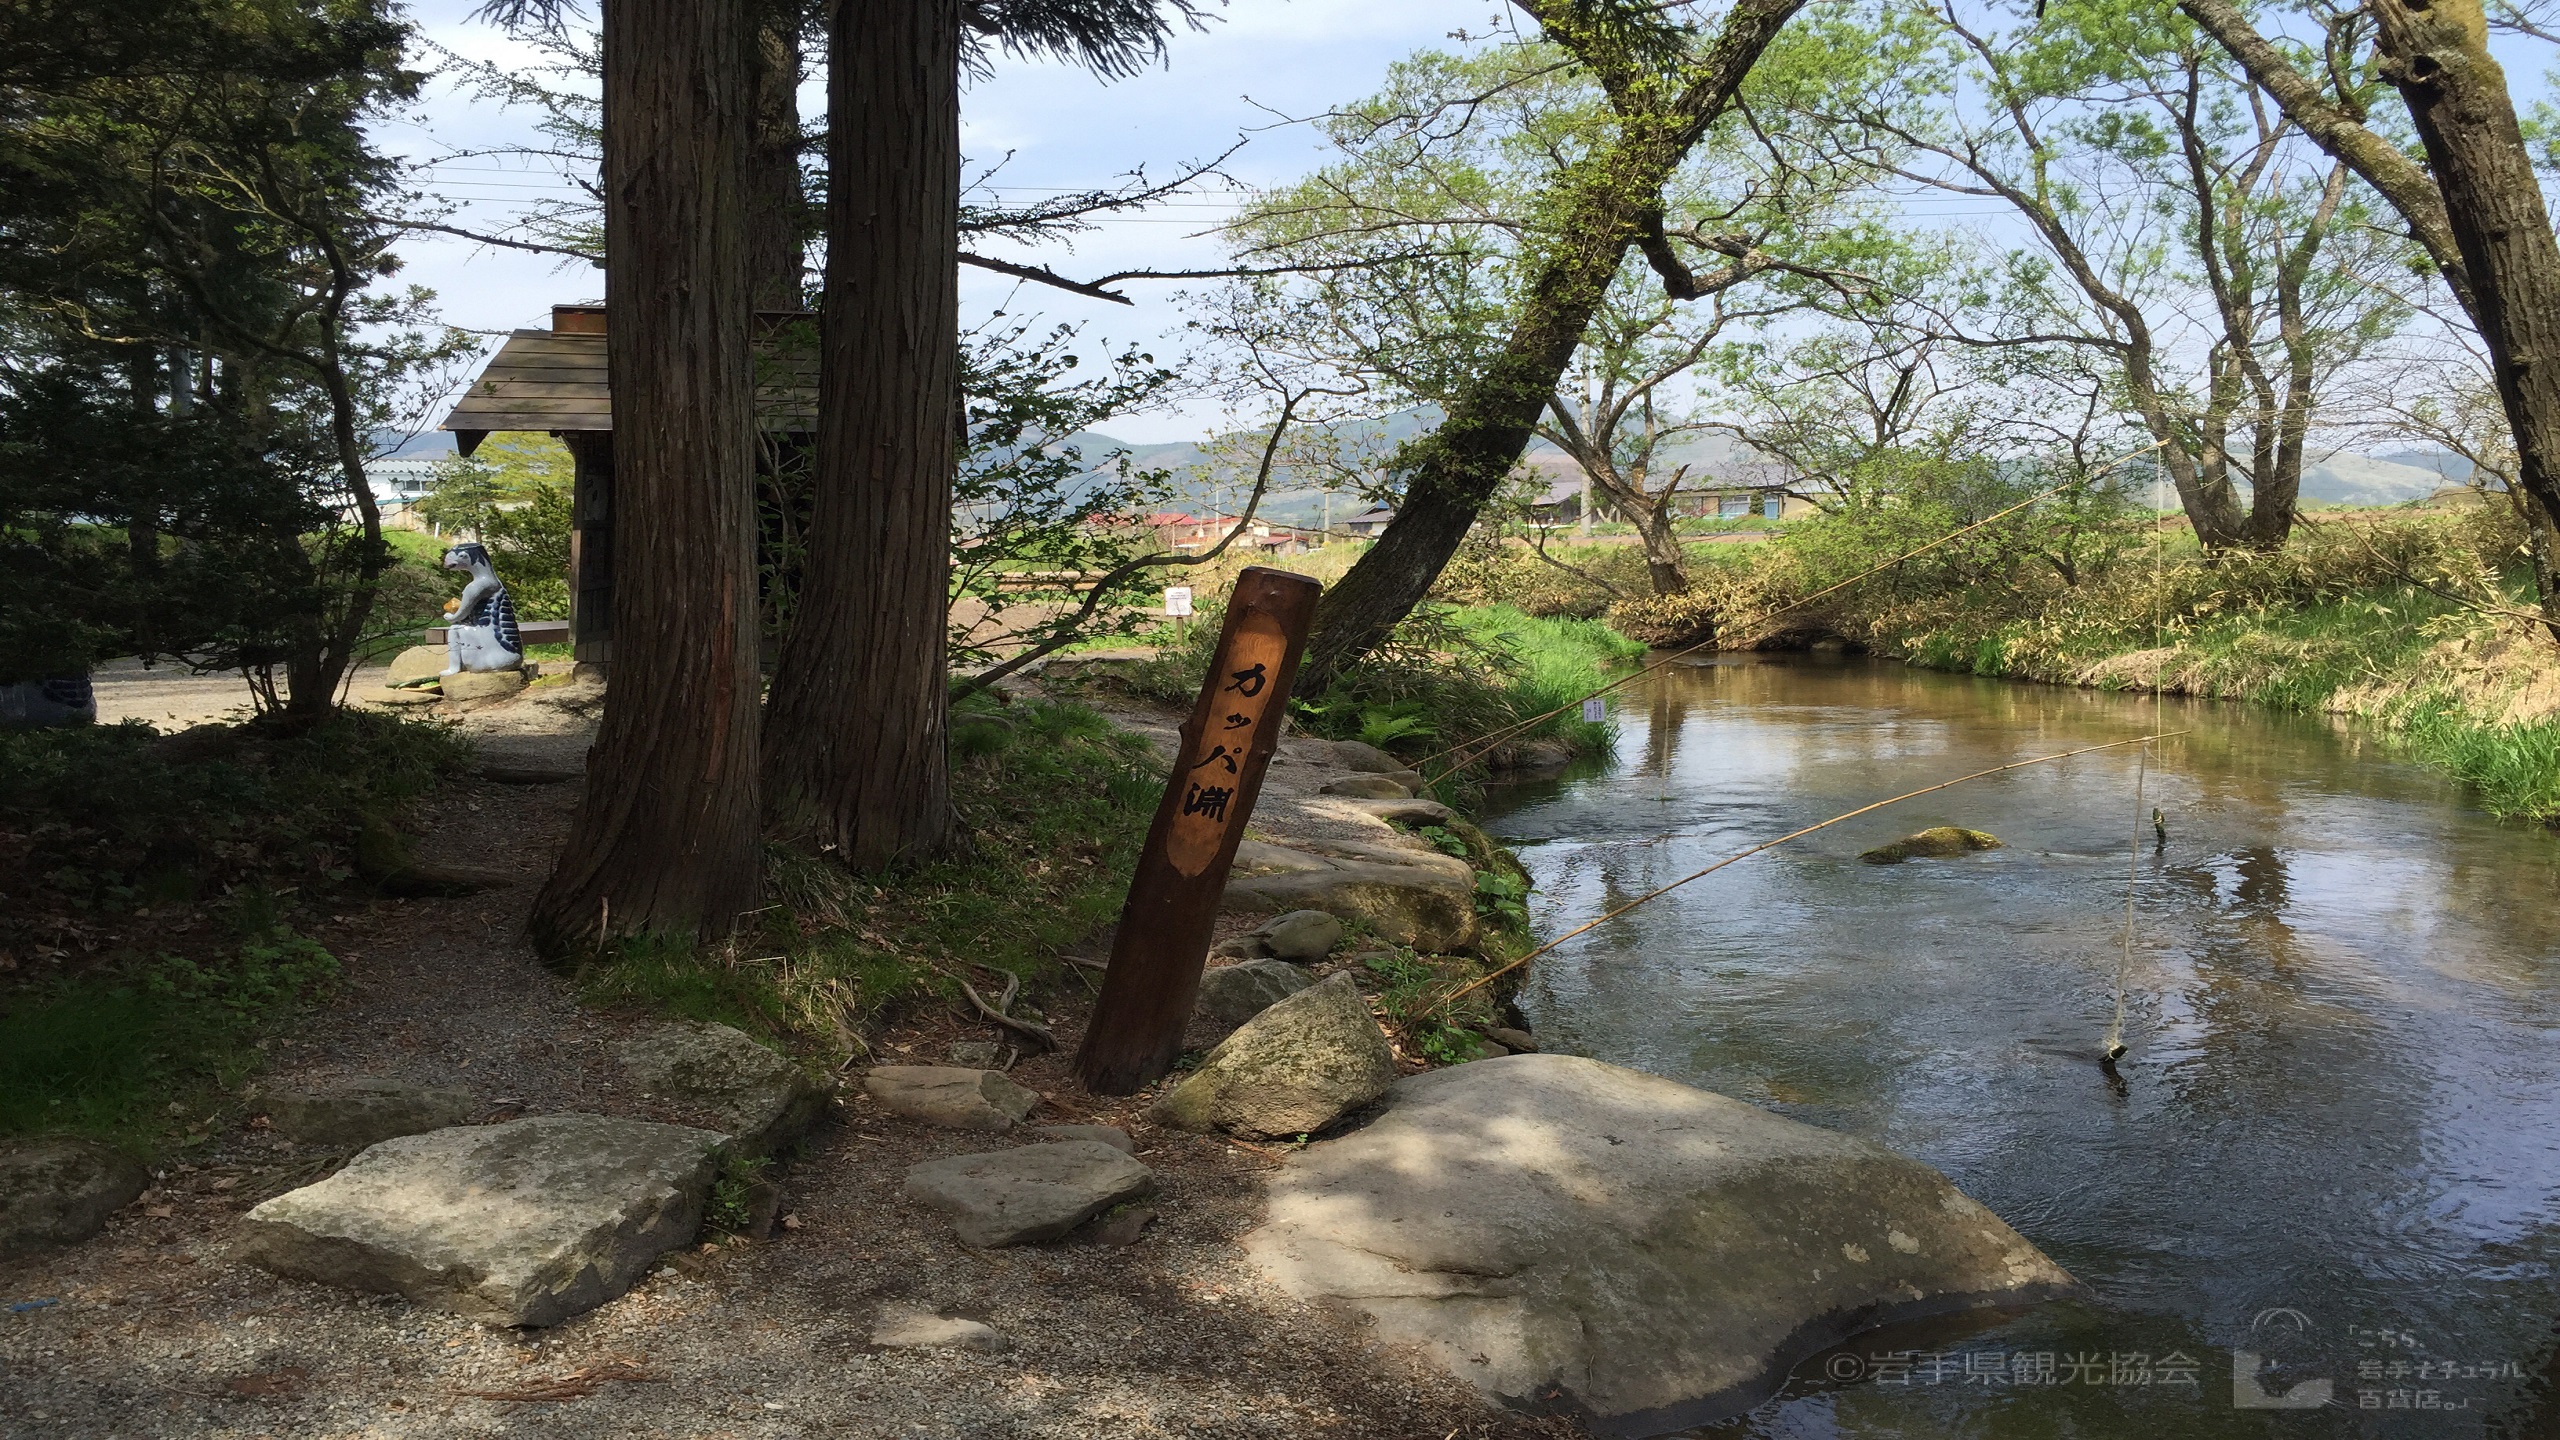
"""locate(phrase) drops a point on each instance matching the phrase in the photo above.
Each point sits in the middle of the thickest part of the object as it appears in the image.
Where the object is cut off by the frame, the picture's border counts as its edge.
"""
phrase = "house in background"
(1369, 522)
(399, 483)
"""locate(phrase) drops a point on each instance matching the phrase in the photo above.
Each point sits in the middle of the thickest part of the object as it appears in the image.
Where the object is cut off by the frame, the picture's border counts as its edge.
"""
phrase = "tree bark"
(855, 733)
(2437, 54)
(667, 838)
(777, 222)
(2341, 131)
(1606, 201)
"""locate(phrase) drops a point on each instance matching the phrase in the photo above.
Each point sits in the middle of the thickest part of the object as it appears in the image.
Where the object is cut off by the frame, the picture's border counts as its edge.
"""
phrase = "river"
(2334, 1142)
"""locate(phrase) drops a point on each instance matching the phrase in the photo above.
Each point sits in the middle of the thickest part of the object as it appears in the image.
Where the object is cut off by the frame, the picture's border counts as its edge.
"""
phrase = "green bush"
(127, 1052)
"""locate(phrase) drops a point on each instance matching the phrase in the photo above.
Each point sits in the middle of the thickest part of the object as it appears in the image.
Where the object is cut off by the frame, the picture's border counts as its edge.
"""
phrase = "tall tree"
(777, 218)
(1665, 82)
(2476, 206)
(856, 723)
(2109, 133)
(668, 838)
(855, 728)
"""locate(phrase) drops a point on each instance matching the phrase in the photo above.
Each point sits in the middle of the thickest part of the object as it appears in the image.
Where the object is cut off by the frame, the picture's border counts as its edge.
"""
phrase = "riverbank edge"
(2481, 704)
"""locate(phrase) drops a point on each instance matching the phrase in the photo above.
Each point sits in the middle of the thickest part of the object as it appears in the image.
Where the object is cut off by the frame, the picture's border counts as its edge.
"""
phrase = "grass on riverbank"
(150, 888)
(2417, 620)
(1055, 804)
(1450, 675)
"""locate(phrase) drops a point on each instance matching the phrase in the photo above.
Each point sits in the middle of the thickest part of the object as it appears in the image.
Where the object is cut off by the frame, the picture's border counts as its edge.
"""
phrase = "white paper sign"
(1595, 711)
(1177, 600)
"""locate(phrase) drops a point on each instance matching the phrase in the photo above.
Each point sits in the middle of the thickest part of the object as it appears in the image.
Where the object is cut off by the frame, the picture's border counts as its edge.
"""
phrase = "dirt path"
(155, 1333)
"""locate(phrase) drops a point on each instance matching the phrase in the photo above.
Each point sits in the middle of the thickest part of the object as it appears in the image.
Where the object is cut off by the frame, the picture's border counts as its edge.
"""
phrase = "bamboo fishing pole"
(1480, 982)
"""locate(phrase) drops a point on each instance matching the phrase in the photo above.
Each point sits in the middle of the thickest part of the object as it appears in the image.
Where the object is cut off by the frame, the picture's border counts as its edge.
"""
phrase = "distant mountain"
(2394, 479)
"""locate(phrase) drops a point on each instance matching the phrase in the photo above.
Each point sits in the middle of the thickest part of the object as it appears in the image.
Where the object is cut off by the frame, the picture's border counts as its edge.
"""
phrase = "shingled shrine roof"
(555, 379)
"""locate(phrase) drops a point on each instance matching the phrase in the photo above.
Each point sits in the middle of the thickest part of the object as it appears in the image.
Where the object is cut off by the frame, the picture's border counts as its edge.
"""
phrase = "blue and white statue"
(480, 635)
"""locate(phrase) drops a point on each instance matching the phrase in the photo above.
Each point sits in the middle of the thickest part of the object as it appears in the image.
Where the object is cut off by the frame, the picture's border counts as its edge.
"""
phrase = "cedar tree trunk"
(777, 221)
(855, 732)
(666, 839)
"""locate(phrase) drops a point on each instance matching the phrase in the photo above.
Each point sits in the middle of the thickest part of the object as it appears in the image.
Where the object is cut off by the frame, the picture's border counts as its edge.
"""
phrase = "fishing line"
(1481, 981)
(2113, 1048)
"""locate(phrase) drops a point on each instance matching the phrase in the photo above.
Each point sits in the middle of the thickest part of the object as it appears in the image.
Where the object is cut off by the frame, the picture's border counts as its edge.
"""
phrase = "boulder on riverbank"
(1294, 1069)
(1233, 994)
(763, 1100)
(526, 1223)
(1935, 843)
(1422, 899)
(1568, 1234)
(57, 1190)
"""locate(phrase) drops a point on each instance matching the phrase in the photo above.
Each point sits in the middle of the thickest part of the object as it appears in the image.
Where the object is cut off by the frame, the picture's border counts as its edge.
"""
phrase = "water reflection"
(2340, 1096)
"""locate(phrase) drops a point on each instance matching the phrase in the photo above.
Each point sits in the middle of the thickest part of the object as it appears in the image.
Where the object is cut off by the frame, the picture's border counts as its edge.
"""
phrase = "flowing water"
(2335, 1142)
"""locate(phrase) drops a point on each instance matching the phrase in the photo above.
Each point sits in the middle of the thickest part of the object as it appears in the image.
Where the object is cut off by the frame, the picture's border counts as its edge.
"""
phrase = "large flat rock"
(763, 1100)
(1568, 1234)
(58, 1191)
(1026, 1195)
(526, 1223)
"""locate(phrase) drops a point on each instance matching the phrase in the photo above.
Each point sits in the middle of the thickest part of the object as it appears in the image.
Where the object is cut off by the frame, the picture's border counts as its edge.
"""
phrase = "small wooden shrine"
(556, 381)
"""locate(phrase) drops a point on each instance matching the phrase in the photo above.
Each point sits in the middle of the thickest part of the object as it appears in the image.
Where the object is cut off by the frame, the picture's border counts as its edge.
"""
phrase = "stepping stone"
(1304, 935)
(362, 1112)
(949, 1096)
(417, 663)
(526, 1223)
(1292, 1070)
(902, 1327)
(60, 1191)
(1035, 1193)
(1233, 994)
(762, 1100)
(1111, 1135)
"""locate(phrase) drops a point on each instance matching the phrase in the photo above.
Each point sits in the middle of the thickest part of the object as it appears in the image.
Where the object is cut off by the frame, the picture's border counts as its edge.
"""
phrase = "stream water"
(2336, 1140)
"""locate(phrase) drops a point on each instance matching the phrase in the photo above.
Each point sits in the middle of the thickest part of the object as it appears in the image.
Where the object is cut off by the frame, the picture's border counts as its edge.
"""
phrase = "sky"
(1046, 127)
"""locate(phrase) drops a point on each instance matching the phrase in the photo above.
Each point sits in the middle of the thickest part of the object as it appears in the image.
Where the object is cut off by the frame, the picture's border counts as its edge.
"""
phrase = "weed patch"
(1055, 804)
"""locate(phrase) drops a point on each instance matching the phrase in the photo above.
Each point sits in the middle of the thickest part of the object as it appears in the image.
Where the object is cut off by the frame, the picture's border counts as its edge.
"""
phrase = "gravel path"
(156, 1333)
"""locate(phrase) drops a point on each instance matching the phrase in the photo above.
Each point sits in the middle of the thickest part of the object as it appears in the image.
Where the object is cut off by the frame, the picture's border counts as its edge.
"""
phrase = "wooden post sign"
(1163, 941)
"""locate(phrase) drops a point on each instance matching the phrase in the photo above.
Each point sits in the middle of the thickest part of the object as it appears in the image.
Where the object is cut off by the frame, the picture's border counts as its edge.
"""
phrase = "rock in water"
(763, 1100)
(1293, 1069)
(948, 1096)
(1233, 994)
(1935, 843)
(1306, 935)
(362, 1112)
(1035, 1193)
(526, 1223)
(1556, 1230)
(60, 1191)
